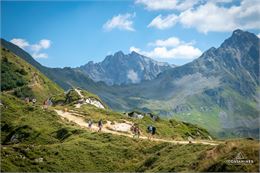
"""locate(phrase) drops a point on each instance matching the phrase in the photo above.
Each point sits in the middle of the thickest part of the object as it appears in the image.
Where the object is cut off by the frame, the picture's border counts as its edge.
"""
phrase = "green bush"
(63, 133)
(11, 77)
(58, 99)
(72, 96)
(150, 161)
(21, 71)
(21, 134)
(23, 92)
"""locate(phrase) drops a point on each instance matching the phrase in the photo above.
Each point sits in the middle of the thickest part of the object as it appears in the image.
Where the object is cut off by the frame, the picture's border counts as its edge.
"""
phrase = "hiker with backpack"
(151, 130)
(135, 129)
(100, 125)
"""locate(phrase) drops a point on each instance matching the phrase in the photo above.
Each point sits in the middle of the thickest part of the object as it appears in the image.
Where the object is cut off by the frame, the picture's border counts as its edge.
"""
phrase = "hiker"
(27, 100)
(100, 125)
(49, 102)
(132, 128)
(135, 130)
(90, 123)
(34, 101)
(45, 104)
(149, 130)
(153, 130)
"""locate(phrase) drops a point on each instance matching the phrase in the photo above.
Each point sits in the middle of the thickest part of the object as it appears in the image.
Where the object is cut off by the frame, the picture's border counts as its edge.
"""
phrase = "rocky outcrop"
(94, 102)
(123, 68)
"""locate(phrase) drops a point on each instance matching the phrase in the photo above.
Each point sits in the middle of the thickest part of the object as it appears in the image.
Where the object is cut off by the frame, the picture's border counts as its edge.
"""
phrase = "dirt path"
(12, 90)
(79, 93)
(122, 129)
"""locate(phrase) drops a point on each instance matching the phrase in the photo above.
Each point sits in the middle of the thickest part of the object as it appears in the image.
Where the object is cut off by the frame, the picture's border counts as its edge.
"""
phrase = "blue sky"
(71, 33)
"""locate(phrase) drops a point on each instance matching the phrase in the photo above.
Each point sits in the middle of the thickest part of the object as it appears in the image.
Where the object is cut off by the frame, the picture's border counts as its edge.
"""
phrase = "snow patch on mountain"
(133, 76)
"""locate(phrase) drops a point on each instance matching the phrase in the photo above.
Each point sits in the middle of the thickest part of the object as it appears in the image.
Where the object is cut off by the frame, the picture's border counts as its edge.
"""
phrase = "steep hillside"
(23, 80)
(124, 69)
(64, 77)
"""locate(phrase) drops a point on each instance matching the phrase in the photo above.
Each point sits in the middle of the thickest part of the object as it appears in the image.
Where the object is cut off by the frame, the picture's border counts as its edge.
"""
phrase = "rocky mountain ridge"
(123, 68)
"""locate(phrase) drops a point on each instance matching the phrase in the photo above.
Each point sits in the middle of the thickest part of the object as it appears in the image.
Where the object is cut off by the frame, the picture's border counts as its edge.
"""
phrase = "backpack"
(154, 129)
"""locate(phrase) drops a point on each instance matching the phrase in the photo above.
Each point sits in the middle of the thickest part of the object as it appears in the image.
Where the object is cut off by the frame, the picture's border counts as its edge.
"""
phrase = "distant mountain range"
(218, 90)
(124, 69)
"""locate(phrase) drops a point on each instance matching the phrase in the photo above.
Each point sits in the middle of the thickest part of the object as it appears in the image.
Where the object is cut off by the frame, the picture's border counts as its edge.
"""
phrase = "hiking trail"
(122, 129)
(79, 93)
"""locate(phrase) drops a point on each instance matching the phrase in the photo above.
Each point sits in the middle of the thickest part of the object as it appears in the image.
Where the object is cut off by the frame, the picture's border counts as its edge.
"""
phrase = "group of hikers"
(134, 129)
(100, 124)
(28, 100)
(151, 130)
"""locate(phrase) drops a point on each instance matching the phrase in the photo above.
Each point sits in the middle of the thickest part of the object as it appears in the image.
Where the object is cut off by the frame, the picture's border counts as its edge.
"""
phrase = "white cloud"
(40, 55)
(180, 52)
(167, 4)
(121, 21)
(134, 49)
(258, 35)
(211, 16)
(34, 49)
(170, 42)
(215, 1)
(43, 44)
(133, 76)
(20, 42)
(171, 48)
(161, 22)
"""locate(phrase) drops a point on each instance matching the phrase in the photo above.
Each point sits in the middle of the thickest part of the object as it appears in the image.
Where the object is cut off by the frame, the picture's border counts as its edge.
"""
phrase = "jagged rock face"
(124, 69)
(235, 63)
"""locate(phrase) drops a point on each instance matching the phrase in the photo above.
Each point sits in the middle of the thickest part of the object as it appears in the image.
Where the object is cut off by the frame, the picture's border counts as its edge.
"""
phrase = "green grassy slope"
(233, 116)
(38, 140)
(23, 80)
